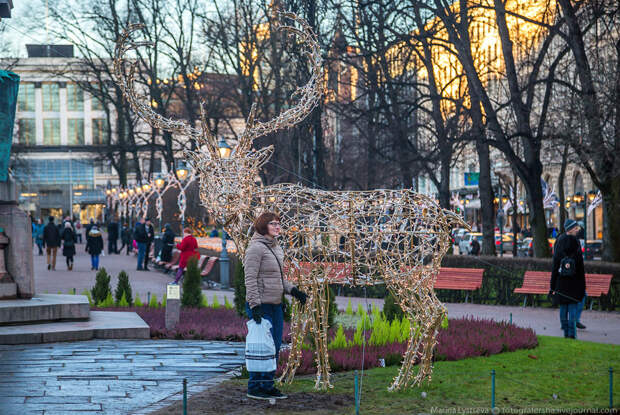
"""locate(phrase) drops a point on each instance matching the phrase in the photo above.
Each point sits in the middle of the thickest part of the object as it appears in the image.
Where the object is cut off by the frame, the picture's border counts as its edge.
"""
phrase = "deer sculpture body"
(396, 237)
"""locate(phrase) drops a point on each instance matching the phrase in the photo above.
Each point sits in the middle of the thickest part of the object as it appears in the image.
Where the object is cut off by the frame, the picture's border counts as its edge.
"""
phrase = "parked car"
(595, 249)
(507, 242)
(458, 234)
(527, 246)
(467, 241)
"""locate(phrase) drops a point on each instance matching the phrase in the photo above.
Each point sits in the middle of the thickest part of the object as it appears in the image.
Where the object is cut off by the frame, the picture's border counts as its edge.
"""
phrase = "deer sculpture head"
(227, 184)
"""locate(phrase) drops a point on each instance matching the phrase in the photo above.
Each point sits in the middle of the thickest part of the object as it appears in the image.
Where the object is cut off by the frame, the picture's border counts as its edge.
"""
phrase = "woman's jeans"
(580, 307)
(273, 313)
(568, 319)
(179, 275)
(94, 261)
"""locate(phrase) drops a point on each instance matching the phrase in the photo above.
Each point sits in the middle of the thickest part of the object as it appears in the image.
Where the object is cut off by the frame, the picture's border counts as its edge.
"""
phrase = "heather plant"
(191, 284)
(138, 302)
(123, 288)
(102, 286)
(380, 330)
(163, 300)
(349, 309)
(227, 304)
(123, 302)
(153, 303)
(203, 301)
(216, 302)
(361, 311)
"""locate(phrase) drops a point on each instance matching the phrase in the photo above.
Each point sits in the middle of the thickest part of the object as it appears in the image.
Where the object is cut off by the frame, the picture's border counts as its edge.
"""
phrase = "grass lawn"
(575, 371)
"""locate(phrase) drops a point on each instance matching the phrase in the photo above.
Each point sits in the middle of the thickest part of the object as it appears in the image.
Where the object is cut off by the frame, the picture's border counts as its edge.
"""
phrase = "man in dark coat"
(167, 241)
(112, 236)
(141, 237)
(126, 239)
(475, 247)
(150, 236)
(51, 238)
(568, 287)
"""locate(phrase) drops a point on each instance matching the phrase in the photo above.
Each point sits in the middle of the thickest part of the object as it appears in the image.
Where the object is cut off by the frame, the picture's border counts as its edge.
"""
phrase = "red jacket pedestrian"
(188, 248)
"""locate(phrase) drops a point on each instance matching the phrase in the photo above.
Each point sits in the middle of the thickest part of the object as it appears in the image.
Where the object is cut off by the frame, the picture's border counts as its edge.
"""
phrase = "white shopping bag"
(260, 350)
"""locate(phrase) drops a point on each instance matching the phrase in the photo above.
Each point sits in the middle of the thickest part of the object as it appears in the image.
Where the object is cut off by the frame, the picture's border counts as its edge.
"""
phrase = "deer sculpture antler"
(309, 94)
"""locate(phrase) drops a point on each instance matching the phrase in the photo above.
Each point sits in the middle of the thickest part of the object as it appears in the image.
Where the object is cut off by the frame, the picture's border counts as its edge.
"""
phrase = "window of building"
(96, 104)
(51, 97)
(102, 167)
(75, 98)
(27, 131)
(146, 164)
(51, 132)
(75, 132)
(25, 99)
(99, 131)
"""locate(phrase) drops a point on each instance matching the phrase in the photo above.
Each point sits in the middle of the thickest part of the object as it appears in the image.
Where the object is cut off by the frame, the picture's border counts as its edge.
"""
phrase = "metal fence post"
(492, 389)
(184, 396)
(357, 403)
(611, 387)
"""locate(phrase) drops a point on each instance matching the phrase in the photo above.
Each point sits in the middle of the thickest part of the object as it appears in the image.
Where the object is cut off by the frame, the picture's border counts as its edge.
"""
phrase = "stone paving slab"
(44, 307)
(101, 325)
(125, 382)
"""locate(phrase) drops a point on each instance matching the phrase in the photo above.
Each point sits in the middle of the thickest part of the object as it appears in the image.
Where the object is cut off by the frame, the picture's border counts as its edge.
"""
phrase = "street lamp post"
(224, 150)
(182, 173)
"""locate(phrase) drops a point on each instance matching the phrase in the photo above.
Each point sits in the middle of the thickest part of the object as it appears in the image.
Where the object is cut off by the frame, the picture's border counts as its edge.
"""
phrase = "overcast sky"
(26, 25)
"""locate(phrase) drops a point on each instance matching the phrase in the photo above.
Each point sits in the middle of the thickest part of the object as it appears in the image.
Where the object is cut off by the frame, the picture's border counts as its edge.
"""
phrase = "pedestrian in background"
(188, 248)
(78, 231)
(112, 236)
(141, 237)
(37, 234)
(475, 247)
(126, 238)
(150, 236)
(68, 246)
(51, 239)
(568, 283)
(94, 246)
(167, 241)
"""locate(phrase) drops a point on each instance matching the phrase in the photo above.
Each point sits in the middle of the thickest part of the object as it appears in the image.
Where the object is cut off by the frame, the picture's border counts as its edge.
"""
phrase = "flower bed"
(462, 338)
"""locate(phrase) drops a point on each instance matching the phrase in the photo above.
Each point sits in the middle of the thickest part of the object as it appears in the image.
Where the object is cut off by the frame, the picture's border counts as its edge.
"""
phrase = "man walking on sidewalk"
(51, 238)
(141, 237)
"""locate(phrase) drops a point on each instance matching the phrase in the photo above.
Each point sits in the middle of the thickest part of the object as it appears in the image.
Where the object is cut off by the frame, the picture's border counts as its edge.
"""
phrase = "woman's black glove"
(257, 314)
(299, 295)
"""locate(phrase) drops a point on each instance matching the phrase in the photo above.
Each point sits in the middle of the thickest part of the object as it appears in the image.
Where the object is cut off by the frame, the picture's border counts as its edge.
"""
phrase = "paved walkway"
(108, 376)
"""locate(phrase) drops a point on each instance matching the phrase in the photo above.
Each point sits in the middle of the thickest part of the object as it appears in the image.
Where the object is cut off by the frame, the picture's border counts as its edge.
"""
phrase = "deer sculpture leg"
(319, 321)
(299, 328)
(425, 313)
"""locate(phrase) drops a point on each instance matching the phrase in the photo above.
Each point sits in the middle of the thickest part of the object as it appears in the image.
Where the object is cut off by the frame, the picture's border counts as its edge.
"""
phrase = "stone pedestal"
(173, 305)
(18, 228)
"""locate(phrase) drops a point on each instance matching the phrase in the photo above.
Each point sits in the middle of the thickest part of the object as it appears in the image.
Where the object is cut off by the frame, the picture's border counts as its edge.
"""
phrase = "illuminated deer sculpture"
(396, 237)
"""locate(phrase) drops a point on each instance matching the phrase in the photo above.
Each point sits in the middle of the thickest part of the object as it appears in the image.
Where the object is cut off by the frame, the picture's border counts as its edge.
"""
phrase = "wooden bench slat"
(537, 282)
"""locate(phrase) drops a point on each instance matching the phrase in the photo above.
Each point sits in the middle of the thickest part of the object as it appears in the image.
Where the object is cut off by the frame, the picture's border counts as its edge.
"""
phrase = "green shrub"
(163, 300)
(332, 308)
(391, 309)
(203, 301)
(123, 288)
(123, 302)
(405, 329)
(216, 302)
(227, 304)
(107, 302)
(239, 286)
(340, 341)
(153, 303)
(395, 332)
(361, 311)
(288, 312)
(191, 284)
(90, 299)
(102, 286)
(138, 302)
(349, 310)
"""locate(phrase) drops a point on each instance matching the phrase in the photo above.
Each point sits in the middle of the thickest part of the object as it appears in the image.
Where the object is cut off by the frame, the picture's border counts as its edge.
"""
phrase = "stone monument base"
(8, 291)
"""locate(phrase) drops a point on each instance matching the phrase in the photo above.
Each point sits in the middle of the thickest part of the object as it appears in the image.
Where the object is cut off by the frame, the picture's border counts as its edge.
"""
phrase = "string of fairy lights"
(135, 201)
(396, 237)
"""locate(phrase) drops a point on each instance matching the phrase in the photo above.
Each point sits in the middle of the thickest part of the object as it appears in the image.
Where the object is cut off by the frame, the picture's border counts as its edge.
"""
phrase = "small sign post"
(173, 305)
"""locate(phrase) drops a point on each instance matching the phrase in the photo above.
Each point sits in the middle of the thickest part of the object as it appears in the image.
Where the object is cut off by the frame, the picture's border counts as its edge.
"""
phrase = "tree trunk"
(611, 222)
(561, 195)
(486, 197)
(537, 217)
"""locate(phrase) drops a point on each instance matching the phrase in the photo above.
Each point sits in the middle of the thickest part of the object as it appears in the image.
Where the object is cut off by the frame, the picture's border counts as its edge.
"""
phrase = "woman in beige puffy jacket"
(264, 287)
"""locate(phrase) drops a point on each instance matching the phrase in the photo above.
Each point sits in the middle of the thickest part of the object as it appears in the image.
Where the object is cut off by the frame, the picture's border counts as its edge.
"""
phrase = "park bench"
(467, 279)
(176, 256)
(537, 282)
